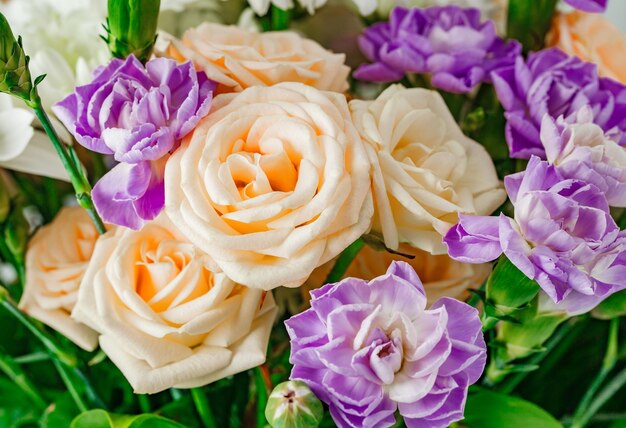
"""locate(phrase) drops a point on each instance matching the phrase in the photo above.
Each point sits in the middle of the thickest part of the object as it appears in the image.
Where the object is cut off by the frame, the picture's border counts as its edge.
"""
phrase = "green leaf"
(487, 409)
(613, 307)
(60, 413)
(101, 419)
(16, 408)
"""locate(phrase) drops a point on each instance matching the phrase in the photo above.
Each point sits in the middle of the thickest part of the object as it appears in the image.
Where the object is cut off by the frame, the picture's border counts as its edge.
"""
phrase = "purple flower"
(550, 82)
(562, 236)
(369, 348)
(137, 114)
(580, 150)
(589, 5)
(448, 42)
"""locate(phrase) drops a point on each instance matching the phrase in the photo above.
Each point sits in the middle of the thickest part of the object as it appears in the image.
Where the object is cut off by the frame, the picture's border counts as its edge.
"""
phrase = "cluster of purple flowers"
(450, 43)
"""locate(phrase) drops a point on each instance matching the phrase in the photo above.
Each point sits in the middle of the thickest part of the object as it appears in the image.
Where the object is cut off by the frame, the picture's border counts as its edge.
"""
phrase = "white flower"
(261, 7)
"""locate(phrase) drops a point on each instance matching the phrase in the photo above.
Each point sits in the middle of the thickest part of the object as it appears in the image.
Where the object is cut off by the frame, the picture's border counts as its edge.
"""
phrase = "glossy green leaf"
(487, 409)
(101, 419)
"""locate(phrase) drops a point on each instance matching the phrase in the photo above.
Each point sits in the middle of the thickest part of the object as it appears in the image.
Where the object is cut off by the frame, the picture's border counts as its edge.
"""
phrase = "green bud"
(132, 26)
(16, 232)
(508, 290)
(522, 339)
(292, 405)
(15, 76)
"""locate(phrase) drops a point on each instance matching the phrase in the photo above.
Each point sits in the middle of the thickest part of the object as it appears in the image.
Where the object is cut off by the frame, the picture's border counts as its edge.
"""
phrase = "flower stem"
(344, 260)
(203, 408)
(586, 408)
(44, 337)
(262, 394)
(79, 181)
(144, 403)
(13, 370)
(71, 387)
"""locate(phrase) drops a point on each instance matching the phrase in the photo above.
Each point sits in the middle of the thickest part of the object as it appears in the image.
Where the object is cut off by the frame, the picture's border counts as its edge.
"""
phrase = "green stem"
(13, 370)
(71, 387)
(343, 261)
(35, 357)
(144, 403)
(79, 181)
(586, 409)
(261, 401)
(280, 18)
(44, 337)
(203, 408)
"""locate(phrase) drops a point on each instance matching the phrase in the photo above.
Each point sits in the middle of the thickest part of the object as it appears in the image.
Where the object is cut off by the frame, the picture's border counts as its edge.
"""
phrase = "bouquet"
(312, 214)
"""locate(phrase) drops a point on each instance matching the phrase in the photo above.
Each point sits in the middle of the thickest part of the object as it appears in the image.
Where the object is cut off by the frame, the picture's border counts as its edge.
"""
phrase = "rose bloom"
(238, 59)
(368, 349)
(592, 38)
(56, 261)
(167, 316)
(273, 183)
(426, 171)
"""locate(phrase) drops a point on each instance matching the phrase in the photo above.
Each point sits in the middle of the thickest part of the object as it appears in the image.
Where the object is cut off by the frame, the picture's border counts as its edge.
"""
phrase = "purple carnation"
(551, 82)
(448, 42)
(580, 150)
(562, 236)
(368, 349)
(137, 114)
(595, 6)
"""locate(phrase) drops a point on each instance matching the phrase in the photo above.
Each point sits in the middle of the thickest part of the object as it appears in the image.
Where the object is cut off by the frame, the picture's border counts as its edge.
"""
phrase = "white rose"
(166, 315)
(273, 183)
(426, 171)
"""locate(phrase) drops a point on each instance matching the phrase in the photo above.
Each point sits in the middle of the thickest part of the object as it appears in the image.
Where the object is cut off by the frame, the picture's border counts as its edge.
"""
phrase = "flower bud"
(132, 28)
(292, 404)
(15, 76)
(508, 291)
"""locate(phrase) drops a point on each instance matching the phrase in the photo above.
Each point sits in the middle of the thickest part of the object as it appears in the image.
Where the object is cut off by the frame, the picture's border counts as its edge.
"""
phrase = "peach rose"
(238, 59)
(426, 171)
(592, 38)
(166, 315)
(273, 183)
(56, 261)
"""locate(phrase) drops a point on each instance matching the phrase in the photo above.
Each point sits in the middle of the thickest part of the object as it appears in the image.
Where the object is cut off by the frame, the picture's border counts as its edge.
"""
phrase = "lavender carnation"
(581, 150)
(562, 236)
(369, 348)
(551, 82)
(137, 114)
(450, 43)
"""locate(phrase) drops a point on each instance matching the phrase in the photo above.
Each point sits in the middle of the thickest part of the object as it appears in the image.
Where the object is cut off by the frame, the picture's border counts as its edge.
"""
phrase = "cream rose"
(238, 59)
(425, 171)
(273, 183)
(56, 261)
(592, 38)
(166, 315)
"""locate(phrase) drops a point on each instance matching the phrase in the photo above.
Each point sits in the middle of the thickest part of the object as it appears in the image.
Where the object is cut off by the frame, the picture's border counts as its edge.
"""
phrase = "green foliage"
(101, 419)
(487, 409)
(529, 21)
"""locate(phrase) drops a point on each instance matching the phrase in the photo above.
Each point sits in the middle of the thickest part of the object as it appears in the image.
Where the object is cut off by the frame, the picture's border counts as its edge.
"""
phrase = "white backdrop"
(617, 13)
